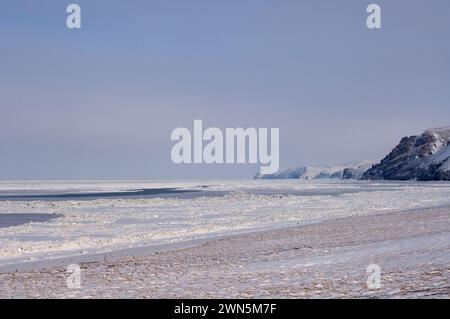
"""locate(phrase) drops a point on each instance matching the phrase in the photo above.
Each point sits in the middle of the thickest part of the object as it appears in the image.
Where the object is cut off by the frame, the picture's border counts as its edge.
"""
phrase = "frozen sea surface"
(48, 220)
(328, 259)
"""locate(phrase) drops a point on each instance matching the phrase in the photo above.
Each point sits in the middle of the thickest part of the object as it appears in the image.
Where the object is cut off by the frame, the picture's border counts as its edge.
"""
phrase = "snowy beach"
(226, 239)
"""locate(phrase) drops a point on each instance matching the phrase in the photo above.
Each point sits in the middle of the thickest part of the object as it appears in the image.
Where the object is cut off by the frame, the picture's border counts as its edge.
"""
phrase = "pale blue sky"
(101, 102)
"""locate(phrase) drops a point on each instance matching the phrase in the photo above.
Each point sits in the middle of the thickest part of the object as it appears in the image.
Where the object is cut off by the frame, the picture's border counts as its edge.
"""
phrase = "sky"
(100, 102)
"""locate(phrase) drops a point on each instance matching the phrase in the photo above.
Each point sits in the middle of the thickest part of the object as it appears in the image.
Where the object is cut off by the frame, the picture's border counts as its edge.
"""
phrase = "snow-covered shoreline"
(327, 259)
(101, 226)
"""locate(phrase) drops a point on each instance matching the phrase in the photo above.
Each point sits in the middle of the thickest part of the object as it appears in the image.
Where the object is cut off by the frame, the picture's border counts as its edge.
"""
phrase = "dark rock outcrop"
(425, 157)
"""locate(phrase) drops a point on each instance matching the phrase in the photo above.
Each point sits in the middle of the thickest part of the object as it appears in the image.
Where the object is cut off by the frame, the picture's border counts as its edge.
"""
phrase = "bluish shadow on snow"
(11, 219)
(97, 195)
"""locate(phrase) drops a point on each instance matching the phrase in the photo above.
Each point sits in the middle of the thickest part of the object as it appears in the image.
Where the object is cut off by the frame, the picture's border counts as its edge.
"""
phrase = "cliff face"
(424, 157)
(342, 171)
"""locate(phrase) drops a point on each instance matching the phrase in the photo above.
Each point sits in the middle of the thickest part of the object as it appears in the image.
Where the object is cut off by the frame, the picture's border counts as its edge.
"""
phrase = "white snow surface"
(442, 155)
(318, 171)
(313, 172)
(109, 224)
(441, 149)
(441, 132)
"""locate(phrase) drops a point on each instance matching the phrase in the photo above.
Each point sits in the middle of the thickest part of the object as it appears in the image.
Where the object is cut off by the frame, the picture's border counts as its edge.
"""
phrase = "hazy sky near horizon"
(102, 101)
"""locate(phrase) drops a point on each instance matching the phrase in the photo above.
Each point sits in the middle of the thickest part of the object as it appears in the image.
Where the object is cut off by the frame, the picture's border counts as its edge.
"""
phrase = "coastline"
(324, 259)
